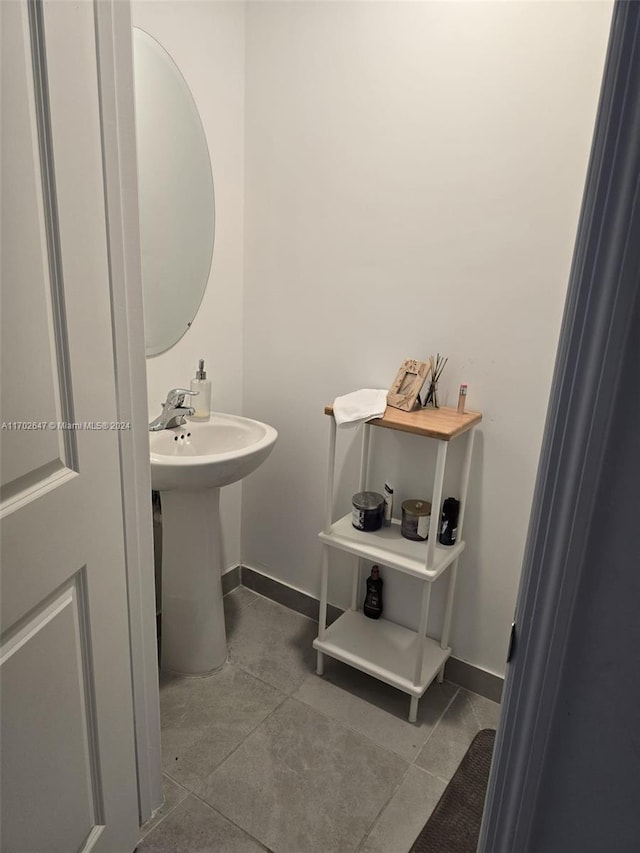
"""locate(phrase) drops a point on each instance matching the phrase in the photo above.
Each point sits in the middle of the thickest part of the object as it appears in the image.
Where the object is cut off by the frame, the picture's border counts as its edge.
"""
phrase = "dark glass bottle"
(373, 600)
(449, 522)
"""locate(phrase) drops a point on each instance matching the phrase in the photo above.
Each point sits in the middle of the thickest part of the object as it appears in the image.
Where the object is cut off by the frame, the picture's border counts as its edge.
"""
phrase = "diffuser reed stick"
(436, 364)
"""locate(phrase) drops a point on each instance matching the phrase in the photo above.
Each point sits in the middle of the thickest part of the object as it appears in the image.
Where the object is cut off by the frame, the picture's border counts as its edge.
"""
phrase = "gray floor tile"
(445, 749)
(274, 644)
(407, 812)
(303, 783)
(296, 762)
(487, 712)
(173, 794)
(375, 709)
(204, 719)
(193, 827)
(234, 602)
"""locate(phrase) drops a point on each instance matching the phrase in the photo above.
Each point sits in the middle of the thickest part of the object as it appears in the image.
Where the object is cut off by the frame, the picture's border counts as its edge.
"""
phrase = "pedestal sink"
(189, 465)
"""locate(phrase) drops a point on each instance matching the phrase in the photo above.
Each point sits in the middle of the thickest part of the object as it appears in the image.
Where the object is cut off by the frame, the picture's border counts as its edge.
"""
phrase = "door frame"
(565, 478)
(116, 95)
(595, 337)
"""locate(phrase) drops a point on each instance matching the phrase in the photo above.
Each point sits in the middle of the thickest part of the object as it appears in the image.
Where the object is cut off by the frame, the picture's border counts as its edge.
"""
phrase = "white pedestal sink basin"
(189, 465)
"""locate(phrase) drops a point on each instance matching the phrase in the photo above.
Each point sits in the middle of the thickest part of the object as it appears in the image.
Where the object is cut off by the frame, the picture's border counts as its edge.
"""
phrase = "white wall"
(206, 41)
(414, 173)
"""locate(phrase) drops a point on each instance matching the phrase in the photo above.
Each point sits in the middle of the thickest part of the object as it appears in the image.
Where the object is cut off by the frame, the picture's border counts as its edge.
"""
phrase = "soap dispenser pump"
(202, 385)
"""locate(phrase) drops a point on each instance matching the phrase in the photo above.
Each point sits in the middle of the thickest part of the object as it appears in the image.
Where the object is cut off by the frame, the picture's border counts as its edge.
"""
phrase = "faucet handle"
(177, 395)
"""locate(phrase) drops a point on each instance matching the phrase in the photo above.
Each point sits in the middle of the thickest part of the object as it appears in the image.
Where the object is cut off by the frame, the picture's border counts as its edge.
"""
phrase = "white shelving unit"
(408, 660)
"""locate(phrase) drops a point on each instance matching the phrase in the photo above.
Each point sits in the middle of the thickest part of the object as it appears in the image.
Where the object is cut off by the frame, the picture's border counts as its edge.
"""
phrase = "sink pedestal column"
(193, 631)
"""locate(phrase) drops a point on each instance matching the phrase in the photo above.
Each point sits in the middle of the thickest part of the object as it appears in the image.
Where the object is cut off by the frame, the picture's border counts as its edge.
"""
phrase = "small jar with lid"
(367, 511)
(416, 517)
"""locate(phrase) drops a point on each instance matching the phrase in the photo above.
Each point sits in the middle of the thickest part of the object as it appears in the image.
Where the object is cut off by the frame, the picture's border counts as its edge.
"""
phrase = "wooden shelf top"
(444, 423)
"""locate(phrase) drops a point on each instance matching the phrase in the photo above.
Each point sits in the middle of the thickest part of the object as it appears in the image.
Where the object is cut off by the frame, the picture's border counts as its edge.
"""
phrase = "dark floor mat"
(454, 825)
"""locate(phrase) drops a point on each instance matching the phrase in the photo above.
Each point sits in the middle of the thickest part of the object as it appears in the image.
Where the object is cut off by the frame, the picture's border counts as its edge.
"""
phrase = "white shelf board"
(382, 649)
(390, 548)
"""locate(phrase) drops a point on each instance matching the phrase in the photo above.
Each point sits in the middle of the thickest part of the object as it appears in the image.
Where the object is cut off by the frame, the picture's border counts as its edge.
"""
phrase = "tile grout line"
(381, 810)
(372, 825)
(171, 810)
(440, 718)
(232, 822)
(258, 678)
(475, 714)
(293, 609)
(254, 595)
(213, 809)
(246, 736)
(350, 728)
(411, 764)
(233, 751)
(188, 790)
(334, 721)
(456, 687)
(250, 732)
(433, 775)
(250, 602)
(375, 820)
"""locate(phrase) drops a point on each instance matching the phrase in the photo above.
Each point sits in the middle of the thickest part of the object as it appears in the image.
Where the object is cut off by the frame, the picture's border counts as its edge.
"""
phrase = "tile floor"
(265, 755)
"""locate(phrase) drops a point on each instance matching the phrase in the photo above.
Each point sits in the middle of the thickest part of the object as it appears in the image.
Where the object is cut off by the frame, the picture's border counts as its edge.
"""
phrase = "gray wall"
(413, 182)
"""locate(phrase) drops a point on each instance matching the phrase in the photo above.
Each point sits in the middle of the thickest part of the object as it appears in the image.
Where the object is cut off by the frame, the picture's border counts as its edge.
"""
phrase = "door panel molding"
(15, 494)
(34, 337)
(56, 305)
(35, 675)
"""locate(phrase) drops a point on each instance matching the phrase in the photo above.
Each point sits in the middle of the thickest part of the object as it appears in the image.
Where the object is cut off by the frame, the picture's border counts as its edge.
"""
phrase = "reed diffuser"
(436, 365)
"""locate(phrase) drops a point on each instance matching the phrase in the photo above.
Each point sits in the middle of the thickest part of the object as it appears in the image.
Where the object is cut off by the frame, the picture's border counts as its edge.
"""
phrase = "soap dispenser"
(201, 403)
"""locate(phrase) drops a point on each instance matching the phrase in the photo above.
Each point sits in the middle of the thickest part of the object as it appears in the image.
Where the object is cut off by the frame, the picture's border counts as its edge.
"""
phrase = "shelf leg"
(453, 570)
(448, 608)
(357, 579)
(413, 709)
(422, 630)
(436, 505)
(322, 615)
(464, 480)
(331, 465)
(364, 456)
(364, 467)
(324, 582)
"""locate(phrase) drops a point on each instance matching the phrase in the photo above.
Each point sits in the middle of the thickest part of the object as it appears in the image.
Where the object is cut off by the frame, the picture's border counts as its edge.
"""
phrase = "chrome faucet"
(173, 410)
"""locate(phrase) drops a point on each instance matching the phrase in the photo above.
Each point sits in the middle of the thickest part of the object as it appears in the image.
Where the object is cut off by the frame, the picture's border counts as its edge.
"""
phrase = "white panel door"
(67, 738)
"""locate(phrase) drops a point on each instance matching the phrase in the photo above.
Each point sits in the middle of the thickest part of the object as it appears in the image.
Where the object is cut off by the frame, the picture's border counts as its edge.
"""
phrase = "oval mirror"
(176, 198)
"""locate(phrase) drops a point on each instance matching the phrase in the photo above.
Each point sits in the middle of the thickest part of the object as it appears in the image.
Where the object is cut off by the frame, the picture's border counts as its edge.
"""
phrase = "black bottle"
(449, 522)
(373, 600)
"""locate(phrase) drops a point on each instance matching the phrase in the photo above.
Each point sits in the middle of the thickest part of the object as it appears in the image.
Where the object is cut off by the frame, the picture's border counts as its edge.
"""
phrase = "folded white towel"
(359, 406)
